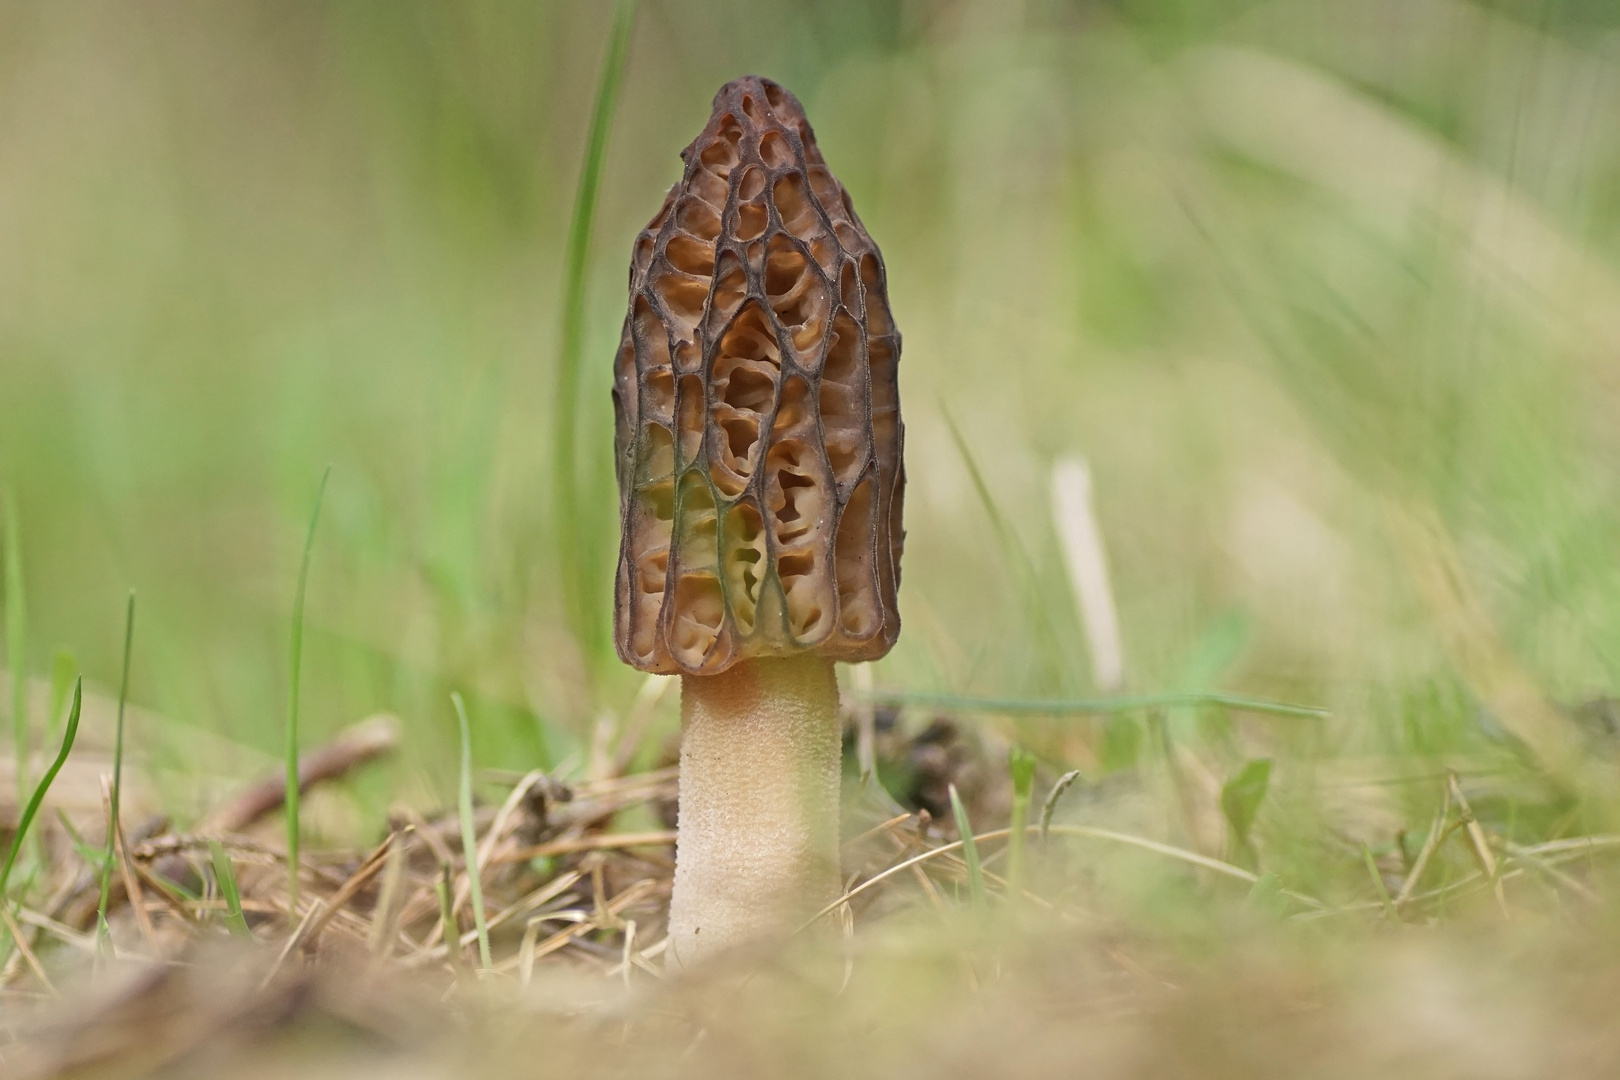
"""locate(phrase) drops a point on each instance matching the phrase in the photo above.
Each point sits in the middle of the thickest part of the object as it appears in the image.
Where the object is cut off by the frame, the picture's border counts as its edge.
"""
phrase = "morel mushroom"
(760, 484)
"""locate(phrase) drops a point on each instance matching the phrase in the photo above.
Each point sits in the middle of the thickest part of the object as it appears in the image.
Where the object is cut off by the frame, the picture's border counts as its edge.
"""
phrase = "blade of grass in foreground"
(970, 851)
(27, 819)
(118, 771)
(581, 612)
(226, 876)
(294, 669)
(17, 643)
(469, 838)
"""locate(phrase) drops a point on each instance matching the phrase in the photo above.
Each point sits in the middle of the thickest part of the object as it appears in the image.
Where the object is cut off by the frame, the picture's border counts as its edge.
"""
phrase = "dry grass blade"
(351, 888)
(85, 943)
(1049, 807)
(1167, 850)
(1545, 867)
(1480, 844)
(294, 940)
(878, 830)
(26, 951)
(599, 842)
(631, 895)
(132, 882)
(539, 897)
(531, 935)
(1378, 884)
(1437, 834)
(1085, 555)
(385, 916)
(504, 817)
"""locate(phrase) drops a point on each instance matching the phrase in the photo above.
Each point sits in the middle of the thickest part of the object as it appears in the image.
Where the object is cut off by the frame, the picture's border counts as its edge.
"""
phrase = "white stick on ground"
(1087, 561)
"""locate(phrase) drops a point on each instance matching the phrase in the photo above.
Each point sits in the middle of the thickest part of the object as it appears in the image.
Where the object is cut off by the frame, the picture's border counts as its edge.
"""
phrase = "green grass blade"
(225, 874)
(1266, 896)
(1012, 548)
(1242, 796)
(447, 918)
(578, 598)
(970, 851)
(27, 819)
(114, 818)
(1021, 763)
(469, 836)
(93, 856)
(64, 666)
(174, 889)
(17, 644)
(1378, 883)
(295, 663)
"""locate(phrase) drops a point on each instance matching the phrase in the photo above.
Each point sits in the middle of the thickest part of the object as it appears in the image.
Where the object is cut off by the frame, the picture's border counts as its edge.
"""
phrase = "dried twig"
(596, 842)
(349, 749)
(357, 881)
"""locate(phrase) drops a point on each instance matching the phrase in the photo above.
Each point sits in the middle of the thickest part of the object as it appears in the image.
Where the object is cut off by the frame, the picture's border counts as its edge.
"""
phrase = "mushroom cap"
(757, 405)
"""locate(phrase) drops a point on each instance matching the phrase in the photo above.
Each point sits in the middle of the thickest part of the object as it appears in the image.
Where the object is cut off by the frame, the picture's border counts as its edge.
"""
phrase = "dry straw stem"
(1431, 844)
(1474, 644)
(1085, 556)
(1477, 840)
(1167, 850)
(20, 940)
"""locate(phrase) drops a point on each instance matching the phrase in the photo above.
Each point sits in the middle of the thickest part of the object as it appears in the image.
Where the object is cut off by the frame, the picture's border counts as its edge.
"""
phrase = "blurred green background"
(1325, 292)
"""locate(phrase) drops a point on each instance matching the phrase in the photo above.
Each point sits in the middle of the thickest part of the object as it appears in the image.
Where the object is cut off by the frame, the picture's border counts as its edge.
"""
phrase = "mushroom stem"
(758, 833)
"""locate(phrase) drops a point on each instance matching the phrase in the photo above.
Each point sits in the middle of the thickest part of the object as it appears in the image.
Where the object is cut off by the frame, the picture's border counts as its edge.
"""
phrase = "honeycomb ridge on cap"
(758, 432)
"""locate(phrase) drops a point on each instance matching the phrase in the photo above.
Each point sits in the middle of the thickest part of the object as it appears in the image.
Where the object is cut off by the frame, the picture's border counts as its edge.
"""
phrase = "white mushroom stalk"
(758, 833)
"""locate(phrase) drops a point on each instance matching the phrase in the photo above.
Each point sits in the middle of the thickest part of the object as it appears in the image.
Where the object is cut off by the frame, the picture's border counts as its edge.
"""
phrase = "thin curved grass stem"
(1097, 706)
(1167, 850)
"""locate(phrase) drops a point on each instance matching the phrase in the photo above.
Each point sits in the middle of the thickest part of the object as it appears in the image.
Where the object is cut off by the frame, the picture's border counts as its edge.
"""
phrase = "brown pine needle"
(27, 952)
(594, 842)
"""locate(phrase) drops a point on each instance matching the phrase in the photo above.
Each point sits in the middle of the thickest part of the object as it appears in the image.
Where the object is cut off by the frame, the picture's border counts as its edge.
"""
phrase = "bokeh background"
(1325, 292)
